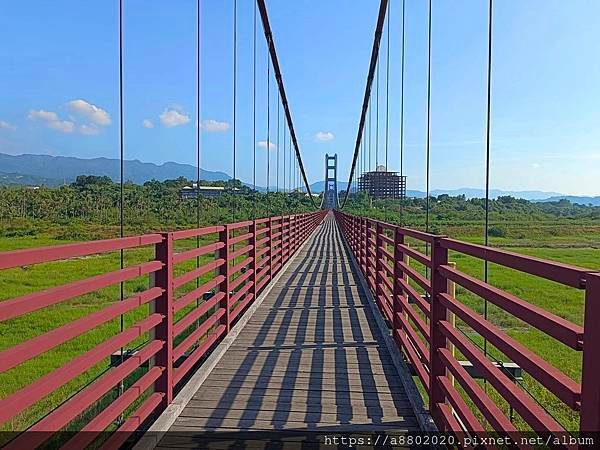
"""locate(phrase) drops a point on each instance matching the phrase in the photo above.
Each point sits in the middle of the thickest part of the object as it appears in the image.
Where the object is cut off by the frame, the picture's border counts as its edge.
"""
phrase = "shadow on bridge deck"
(311, 357)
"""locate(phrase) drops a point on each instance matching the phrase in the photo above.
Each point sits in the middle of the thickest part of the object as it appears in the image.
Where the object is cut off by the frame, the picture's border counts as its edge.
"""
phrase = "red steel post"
(285, 233)
(590, 385)
(293, 232)
(354, 228)
(224, 270)
(253, 252)
(365, 239)
(379, 292)
(164, 330)
(270, 261)
(398, 274)
(437, 339)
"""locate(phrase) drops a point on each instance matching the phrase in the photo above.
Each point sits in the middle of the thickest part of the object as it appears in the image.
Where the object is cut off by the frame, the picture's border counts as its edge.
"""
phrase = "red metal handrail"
(181, 332)
(425, 334)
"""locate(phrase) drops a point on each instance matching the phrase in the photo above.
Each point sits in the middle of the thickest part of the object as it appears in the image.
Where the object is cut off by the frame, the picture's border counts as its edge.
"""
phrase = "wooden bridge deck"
(310, 358)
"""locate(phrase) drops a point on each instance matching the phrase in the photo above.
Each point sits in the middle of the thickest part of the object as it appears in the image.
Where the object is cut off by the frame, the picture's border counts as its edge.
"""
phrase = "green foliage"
(95, 201)
(497, 231)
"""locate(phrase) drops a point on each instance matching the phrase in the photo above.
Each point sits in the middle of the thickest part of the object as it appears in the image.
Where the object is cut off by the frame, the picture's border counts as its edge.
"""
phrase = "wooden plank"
(338, 379)
(304, 384)
(204, 423)
(301, 395)
(361, 353)
(344, 415)
(304, 397)
(303, 370)
(379, 409)
(311, 357)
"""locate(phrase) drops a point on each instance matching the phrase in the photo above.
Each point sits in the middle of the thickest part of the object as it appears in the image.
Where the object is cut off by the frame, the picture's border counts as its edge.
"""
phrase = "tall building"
(383, 184)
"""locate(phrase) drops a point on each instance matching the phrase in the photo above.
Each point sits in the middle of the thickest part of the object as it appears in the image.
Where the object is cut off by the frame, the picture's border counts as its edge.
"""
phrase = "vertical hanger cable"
(488, 154)
(402, 114)
(387, 91)
(121, 176)
(233, 195)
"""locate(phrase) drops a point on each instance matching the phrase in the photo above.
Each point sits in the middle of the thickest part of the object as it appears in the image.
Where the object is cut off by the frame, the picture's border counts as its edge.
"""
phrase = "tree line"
(152, 206)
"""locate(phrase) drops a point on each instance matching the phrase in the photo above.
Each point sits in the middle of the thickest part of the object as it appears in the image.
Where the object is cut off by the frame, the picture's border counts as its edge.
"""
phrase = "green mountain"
(36, 168)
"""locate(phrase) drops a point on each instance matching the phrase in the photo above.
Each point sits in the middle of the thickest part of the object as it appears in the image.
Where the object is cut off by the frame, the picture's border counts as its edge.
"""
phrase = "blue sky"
(59, 85)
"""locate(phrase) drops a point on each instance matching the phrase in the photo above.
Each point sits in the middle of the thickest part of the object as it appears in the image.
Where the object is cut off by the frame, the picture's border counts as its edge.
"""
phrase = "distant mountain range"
(19, 179)
(534, 196)
(55, 170)
(467, 192)
(582, 200)
(46, 170)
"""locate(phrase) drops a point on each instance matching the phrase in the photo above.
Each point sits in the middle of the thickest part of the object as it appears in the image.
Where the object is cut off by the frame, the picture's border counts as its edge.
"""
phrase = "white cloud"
(64, 126)
(52, 120)
(89, 129)
(148, 123)
(263, 144)
(214, 126)
(6, 126)
(41, 114)
(324, 136)
(172, 117)
(92, 113)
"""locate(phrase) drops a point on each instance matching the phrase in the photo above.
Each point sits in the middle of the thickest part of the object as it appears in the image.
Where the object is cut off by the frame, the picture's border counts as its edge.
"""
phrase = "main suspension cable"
(271, 44)
(373, 62)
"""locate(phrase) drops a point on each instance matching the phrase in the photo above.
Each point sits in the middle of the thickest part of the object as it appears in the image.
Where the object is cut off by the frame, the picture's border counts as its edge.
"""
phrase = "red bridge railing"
(242, 258)
(422, 327)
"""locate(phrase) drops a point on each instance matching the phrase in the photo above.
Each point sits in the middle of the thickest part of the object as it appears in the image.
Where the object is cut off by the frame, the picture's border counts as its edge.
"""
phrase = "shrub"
(497, 232)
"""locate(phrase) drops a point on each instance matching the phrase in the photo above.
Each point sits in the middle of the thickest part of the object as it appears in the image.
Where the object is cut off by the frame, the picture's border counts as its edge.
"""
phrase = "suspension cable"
(268, 140)
(370, 137)
(373, 62)
(233, 196)
(402, 117)
(198, 142)
(387, 90)
(253, 116)
(283, 141)
(488, 154)
(198, 128)
(271, 44)
(427, 149)
(122, 174)
(277, 152)
(377, 117)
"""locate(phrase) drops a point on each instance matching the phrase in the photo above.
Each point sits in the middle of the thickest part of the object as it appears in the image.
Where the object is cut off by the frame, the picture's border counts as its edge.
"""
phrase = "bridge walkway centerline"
(311, 358)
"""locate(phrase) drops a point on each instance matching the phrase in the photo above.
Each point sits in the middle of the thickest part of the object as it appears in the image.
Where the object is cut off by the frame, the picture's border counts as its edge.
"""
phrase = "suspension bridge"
(321, 322)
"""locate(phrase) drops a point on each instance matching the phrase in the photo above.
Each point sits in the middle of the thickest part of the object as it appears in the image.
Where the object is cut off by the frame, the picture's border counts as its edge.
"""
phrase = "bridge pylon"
(330, 193)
